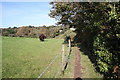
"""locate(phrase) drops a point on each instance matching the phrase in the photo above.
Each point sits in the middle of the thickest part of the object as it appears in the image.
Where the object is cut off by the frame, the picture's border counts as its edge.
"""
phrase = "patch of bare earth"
(77, 66)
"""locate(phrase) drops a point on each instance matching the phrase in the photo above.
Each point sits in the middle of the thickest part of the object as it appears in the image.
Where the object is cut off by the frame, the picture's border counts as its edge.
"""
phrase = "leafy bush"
(105, 53)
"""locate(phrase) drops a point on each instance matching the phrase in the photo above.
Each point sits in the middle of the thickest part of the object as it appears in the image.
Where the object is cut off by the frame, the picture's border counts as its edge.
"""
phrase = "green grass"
(69, 72)
(88, 70)
(28, 57)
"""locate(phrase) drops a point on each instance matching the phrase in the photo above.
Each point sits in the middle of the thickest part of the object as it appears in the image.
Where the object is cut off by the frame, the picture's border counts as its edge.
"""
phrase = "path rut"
(77, 66)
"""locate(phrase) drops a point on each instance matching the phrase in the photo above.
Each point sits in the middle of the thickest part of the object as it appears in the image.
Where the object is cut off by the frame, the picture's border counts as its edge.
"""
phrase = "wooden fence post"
(62, 70)
(65, 59)
(69, 47)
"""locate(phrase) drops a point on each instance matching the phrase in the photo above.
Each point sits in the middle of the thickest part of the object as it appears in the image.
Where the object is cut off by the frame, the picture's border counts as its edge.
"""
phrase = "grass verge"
(88, 70)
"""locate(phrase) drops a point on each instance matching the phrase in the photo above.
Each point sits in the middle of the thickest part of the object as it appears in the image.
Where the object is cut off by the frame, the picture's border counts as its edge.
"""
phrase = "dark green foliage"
(9, 32)
(98, 31)
(106, 50)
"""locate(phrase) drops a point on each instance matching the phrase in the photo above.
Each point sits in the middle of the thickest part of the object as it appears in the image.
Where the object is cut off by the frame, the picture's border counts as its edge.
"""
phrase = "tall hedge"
(106, 49)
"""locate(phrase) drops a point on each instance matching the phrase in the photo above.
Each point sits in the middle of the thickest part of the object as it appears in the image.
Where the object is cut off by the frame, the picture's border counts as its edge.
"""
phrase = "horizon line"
(60, 0)
(31, 26)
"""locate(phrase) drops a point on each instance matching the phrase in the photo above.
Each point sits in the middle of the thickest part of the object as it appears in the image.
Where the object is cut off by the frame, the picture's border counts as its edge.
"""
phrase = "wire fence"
(65, 60)
(47, 67)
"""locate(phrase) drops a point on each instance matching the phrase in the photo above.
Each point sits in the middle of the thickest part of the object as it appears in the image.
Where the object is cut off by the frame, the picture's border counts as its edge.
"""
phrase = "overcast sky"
(26, 13)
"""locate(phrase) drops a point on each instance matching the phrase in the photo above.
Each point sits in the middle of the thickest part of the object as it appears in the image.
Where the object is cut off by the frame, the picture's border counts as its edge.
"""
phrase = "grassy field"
(28, 57)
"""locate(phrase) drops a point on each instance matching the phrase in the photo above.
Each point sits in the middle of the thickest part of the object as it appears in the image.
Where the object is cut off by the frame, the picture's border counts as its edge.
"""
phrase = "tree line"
(97, 30)
(33, 32)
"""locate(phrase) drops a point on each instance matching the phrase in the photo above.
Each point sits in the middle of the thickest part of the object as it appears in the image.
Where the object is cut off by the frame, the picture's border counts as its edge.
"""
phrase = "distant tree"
(30, 26)
(44, 26)
(9, 27)
(23, 31)
(14, 27)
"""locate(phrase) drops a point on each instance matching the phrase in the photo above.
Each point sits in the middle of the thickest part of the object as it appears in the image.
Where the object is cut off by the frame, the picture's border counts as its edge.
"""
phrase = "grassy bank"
(88, 69)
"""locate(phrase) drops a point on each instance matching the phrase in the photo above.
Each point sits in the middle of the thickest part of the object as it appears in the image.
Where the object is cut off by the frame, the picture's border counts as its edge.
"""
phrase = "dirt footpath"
(77, 66)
